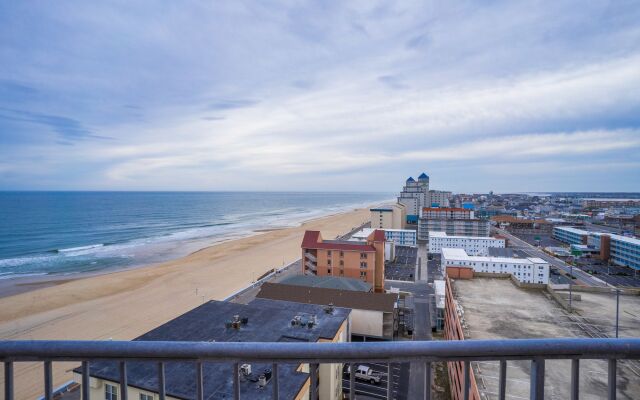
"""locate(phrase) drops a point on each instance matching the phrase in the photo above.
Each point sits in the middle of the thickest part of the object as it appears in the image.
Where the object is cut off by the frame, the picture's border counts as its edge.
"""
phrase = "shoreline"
(124, 305)
(23, 284)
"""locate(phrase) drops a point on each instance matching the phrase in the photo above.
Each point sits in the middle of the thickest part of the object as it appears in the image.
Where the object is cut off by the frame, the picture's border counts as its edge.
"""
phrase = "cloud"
(202, 95)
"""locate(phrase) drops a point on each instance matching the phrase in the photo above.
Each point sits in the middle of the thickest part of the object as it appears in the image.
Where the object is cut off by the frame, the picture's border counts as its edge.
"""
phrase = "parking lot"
(366, 390)
(613, 275)
(403, 268)
(543, 239)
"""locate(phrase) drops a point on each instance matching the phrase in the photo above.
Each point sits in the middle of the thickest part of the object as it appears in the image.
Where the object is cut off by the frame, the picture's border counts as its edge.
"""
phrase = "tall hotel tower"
(415, 196)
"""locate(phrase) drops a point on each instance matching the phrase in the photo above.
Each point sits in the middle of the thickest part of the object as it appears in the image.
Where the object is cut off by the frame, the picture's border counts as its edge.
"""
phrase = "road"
(520, 244)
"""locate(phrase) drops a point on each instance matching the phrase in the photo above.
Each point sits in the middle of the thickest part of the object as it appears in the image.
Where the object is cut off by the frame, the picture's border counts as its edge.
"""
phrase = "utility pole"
(570, 287)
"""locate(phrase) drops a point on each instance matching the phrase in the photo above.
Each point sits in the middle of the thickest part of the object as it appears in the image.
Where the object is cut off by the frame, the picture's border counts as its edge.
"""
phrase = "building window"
(363, 274)
(328, 262)
(342, 263)
(328, 253)
(363, 264)
(342, 272)
(342, 254)
(110, 392)
(145, 396)
(329, 271)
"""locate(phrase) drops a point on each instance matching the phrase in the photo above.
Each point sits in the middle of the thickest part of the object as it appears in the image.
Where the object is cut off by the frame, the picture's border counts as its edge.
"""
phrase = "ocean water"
(60, 233)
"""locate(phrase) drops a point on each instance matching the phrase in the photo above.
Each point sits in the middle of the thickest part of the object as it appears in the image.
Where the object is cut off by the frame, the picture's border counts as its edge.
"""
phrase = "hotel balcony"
(311, 257)
(459, 353)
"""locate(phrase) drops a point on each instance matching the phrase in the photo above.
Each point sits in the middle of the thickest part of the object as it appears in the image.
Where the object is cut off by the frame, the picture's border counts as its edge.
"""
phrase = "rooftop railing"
(236, 353)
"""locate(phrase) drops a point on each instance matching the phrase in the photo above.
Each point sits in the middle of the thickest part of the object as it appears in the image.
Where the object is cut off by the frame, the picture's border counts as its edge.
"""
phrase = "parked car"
(367, 374)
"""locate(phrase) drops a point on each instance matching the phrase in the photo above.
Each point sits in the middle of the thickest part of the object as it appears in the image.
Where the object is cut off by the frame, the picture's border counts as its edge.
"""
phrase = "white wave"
(80, 248)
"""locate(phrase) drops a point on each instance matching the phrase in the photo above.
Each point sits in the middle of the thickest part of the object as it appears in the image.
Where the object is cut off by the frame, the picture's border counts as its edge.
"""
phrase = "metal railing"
(427, 352)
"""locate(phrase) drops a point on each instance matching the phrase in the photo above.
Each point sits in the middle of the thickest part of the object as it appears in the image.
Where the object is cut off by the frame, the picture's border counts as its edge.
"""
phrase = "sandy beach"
(123, 305)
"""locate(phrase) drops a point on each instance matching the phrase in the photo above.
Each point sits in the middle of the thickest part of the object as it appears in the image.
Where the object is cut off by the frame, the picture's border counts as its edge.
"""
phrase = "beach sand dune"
(123, 305)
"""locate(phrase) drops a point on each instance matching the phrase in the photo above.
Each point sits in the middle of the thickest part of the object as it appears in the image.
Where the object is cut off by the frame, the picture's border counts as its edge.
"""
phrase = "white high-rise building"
(415, 196)
(474, 246)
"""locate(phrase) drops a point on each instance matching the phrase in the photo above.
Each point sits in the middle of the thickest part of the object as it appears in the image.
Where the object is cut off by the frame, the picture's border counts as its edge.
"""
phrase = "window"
(363, 274)
(146, 396)
(110, 392)
(328, 262)
(342, 254)
(363, 264)
(342, 263)
(329, 271)
(363, 255)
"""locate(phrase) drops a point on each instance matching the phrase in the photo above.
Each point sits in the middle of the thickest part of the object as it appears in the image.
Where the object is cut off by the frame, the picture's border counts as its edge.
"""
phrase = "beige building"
(262, 320)
(373, 315)
(392, 216)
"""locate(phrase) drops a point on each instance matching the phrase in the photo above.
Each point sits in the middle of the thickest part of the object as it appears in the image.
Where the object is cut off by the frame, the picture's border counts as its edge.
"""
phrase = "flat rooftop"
(461, 254)
(572, 230)
(330, 282)
(497, 309)
(440, 234)
(384, 302)
(268, 321)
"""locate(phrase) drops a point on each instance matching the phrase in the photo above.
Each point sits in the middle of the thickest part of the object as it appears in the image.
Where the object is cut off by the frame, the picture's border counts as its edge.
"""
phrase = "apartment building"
(397, 237)
(260, 321)
(456, 227)
(414, 196)
(446, 213)
(344, 258)
(439, 198)
(570, 235)
(616, 249)
(526, 270)
(391, 216)
(473, 245)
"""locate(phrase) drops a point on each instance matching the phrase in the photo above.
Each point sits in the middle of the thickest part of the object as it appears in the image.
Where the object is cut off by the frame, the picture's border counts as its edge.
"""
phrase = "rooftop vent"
(245, 369)
(329, 309)
(236, 322)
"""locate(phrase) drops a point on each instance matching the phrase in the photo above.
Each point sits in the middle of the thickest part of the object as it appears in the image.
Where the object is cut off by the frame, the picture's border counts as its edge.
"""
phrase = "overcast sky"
(503, 96)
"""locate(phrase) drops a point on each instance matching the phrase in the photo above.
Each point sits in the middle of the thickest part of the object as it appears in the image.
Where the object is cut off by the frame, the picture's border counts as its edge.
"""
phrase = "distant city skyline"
(503, 97)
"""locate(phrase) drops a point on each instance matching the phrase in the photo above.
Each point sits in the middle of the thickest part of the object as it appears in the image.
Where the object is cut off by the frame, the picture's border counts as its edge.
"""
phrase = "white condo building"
(526, 270)
(399, 237)
(474, 246)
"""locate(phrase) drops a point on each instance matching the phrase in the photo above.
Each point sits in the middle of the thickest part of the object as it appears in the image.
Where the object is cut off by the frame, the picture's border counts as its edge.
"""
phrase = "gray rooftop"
(507, 252)
(328, 282)
(268, 321)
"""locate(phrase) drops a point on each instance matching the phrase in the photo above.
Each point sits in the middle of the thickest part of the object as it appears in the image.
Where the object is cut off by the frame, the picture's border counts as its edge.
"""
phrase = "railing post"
(467, 380)
(48, 381)
(575, 379)
(389, 377)
(274, 378)
(427, 380)
(124, 383)
(314, 381)
(86, 377)
(161, 382)
(536, 391)
(611, 386)
(8, 380)
(236, 381)
(352, 381)
(200, 381)
(502, 390)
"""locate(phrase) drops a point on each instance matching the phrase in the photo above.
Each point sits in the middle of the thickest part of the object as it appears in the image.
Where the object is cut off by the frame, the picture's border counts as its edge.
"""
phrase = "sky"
(509, 96)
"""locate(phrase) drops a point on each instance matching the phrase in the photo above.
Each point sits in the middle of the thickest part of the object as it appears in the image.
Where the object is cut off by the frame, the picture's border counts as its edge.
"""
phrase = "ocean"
(63, 233)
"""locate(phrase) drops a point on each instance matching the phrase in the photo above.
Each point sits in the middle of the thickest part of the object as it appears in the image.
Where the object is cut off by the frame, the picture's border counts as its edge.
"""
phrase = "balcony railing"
(427, 352)
(311, 257)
